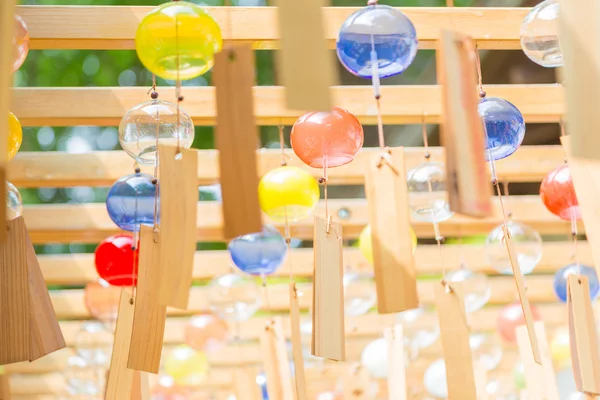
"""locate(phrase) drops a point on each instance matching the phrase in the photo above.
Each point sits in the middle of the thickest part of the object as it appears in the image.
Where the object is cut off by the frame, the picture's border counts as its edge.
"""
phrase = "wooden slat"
(90, 223)
(78, 269)
(103, 168)
(70, 304)
(95, 27)
(406, 104)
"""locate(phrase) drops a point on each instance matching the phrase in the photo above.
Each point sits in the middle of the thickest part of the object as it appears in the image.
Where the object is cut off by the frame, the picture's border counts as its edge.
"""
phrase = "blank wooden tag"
(178, 209)
(299, 374)
(389, 217)
(305, 64)
(4, 388)
(356, 384)
(579, 27)
(583, 335)
(463, 134)
(586, 181)
(454, 333)
(46, 336)
(534, 374)
(245, 386)
(15, 302)
(522, 291)
(149, 316)
(328, 335)
(396, 378)
(236, 138)
(120, 378)
(277, 367)
(140, 387)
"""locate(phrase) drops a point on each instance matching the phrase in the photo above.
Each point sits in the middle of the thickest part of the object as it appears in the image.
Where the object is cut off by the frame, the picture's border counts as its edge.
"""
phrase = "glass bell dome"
(14, 202)
(20, 43)
(141, 125)
(477, 290)
(233, 297)
(425, 206)
(377, 34)
(504, 127)
(259, 253)
(130, 202)
(539, 34)
(560, 280)
(527, 242)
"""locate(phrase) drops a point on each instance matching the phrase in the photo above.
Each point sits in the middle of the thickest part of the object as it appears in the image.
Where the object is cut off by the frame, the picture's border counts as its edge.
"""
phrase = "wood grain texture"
(296, 336)
(328, 292)
(120, 378)
(5, 388)
(15, 303)
(149, 316)
(454, 334)
(396, 378)
(140, 388)
(389, 218)
(96, 27)
(178, 207)
(236, 139)
(411, 104)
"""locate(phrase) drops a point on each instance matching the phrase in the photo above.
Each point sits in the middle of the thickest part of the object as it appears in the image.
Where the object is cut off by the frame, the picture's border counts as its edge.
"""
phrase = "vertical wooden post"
(245, 386)
(550, 386)
(236, 138)
(454, 333)
(389, 217)
(149, 316)
(4, 388)
(396, 363)
(299, 374)
(277, 367)
(306, 65)
(178, 209)
(328, 336)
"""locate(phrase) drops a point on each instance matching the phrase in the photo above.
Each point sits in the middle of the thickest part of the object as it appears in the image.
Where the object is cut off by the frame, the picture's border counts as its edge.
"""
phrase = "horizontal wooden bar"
(79, 269)
(103, 168)
(90, 223)
(105, 106)
(108, 28)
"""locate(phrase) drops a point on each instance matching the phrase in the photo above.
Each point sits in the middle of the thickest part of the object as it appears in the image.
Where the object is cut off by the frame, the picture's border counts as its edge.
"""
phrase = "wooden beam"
(107, 28)
(78, 269)
(103, 168)
(406, 104)
(90, 223)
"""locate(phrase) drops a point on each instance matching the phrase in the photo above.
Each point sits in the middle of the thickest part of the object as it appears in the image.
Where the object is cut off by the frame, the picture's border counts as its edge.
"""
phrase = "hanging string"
(506, 193)
(178, 95)
(288, 238)
(136, 241)
(436, 227)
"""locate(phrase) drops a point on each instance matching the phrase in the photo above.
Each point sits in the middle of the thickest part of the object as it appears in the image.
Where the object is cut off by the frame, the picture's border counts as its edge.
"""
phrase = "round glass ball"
(93, 343)
(259, 253)
(427, 187)
(288, 193)
(113, 259)
(377, 34)
(435, 380)
(186, 365)
(512, 316)
(417, 334)
(477, 290)
(374, 357)
(178, 41)
(140, 125)
(15, 135)
(359, 293)
(327, 139)
(558, 194)
(562, 275)
(233, 297)
(539, 34)
(527, 243)
(206, 332)
(14, 202)
(20, 43)
(130, 202)
(102, 301)
(504, 127)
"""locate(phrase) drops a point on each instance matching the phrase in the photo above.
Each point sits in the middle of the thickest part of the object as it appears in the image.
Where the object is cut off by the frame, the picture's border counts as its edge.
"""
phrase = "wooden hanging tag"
(299, 375)
(463, 134)
(277, 367)
(305, 64)
(534, 374)
(583, 335)
(550, 385)
(328, 335)
(245, 386)
(120, 378)
(140, 387)
(579, 27)
(481, 380)
(149, 316)
(389, 217)
(454, 333)
(178, 208)
(15, 300)
(586, 181)
(522, 291)
(236, 138)
(356, 384)
(396, 363)
(5, 388)
(46, 336)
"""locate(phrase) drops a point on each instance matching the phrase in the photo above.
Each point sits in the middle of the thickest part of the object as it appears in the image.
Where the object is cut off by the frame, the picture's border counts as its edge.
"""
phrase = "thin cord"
(178, 90)
(506, 193)
(264, 285)
(288, 238)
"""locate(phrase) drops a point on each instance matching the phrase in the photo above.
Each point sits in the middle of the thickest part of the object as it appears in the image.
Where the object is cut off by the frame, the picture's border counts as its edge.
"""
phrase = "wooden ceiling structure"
(104, 28)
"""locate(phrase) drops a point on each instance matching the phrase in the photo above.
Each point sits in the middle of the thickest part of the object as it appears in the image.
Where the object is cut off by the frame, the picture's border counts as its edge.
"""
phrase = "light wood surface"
(407, 104)
(96, 27)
